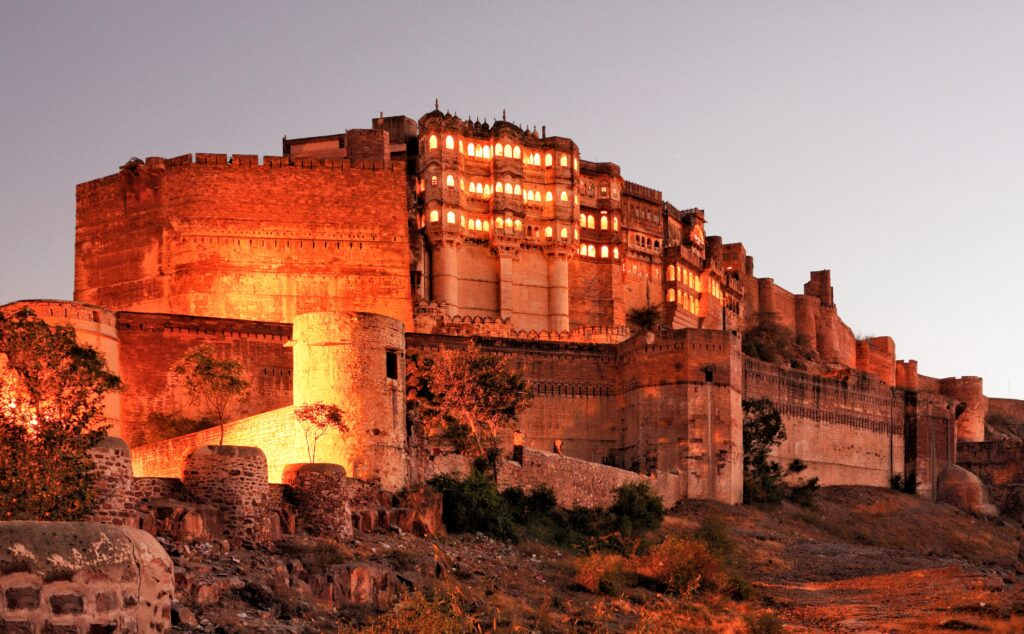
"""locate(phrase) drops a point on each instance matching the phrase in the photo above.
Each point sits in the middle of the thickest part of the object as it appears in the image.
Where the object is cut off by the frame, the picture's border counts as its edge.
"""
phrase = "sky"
(881, 140)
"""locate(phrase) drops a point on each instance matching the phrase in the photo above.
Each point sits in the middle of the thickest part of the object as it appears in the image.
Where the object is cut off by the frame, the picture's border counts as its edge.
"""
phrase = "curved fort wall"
(245, 240)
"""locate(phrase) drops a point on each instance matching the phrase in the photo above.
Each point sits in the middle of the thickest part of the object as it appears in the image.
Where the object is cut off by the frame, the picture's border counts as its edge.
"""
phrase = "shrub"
(603, 573)
(683, 566)
(417, 613)
(714, 532)
(765, 623)
(903, 484)
(637, 509)
(645, 318)
(474, 504)
(770, 341)
(763, 478)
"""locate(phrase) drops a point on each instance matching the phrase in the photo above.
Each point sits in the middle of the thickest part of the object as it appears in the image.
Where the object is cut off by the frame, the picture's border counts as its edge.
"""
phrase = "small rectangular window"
(392, 363)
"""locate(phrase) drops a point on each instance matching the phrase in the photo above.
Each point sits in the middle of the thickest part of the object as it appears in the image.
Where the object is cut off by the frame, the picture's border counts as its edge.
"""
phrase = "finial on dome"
(502, 114)
(437, 104)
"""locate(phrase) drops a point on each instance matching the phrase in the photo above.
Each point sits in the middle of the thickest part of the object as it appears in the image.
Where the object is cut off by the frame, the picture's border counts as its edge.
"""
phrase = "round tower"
(357, 362)
(970, 424)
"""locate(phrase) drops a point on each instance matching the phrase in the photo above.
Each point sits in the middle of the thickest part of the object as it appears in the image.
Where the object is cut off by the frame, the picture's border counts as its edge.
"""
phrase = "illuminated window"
(548, 197)
(519, 224)
(583, 220)
(564, 197)
(604, 251)
(461, 151)
(462, 220)
(679, 272)
(615, 253)
(499, 150)
(462, 184)
(563, 161)
(508, 222)
(450, 217)
(433, 141)
(434, 216)
(591, 251)
(499, 188)
(536, 158)
(472, 187)
(576, 164)
(575, 234)
(548, 232)
(508, 188)
(449, 142)
(479, 224)
(480, 151)
(529, 194)
(604, 223)
(590, 221)
(615, 223)
(670, 273)
(583, 249)
(499, 223)
(487, 151)
(515, 152)
(518, 190)
(564, 233)
(548, 160)
(470, 148)
(487, 226)
(433, 180)
(450, 181)
(576, 200)
(508, 150)
(487, 191)
(670, 295)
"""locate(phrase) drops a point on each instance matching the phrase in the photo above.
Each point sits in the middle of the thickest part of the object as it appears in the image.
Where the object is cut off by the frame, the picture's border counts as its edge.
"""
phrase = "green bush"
(637, 509)
(763, 477)
(474, 504)
(714, 532)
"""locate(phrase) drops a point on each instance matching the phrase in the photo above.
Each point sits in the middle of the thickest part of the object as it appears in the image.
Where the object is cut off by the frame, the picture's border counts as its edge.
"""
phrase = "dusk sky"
(883, 141)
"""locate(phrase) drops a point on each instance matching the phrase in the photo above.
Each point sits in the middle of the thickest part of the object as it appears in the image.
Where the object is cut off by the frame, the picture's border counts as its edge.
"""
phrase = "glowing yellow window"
(576, 200)
(434, 216)
(670, 273)
(583, 249)
(575, 234)
(548, 197)
(670, 295)
(515, 152)
(564, 197)
(604, 223)
(470, 148)
(518, 189)
(450, 217)
(433, 180)
(576, 164)
(433, 141)
(563, 161)
(479, 224)
(461, 151)
(548, 232)
(499, 223)
(450, 181)
(615, 223)
(604, 251)
(499, 188)
(472, 187)
(499, 150)
(529, 194)
(519, 224)
(564, 233)
(590, 222)
(548, 160)
(591, 250)
(536, 158)
(487, 191)
(487, 151)
(449, 142)
(615, 253)
(487, 226)
(508, 151)
(583, 220)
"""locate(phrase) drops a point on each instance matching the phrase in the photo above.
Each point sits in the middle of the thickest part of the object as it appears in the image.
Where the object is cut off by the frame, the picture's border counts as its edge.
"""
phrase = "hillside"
(859, 560)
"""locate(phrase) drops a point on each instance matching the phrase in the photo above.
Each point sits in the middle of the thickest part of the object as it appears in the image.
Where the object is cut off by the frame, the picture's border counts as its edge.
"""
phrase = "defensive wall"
(236, 238)
(1000, 465)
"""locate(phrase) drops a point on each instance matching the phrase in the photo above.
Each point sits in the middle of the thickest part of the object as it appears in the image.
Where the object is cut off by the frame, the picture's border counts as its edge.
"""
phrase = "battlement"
(57, 309)
(639, 191)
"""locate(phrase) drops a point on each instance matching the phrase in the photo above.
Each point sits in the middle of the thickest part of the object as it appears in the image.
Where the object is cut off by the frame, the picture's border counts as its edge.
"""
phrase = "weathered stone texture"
(115, 487)
(82, 578)
(320, 494)
(233, 480)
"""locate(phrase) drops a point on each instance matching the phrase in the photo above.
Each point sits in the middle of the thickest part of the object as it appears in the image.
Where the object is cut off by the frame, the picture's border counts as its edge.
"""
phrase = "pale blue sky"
(883, 140)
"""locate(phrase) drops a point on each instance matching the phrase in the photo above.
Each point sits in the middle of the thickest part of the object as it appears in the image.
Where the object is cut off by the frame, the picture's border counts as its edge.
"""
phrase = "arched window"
(548, 160)
(679, 271)
(583, 249)
(515, 152)
(499, 223)
(462, 220)
(450, 181)
(487, 226)
(583, 220)
(519, 224)
(604, 223)
(508, 151)
(449, 142)
(508, 223)
(487, 151)
(576, 164)
(450, 216)
(470, 148)
(536, 158)
(615, 253)
(576, 200)
(604, 251)
(433, 141)
(499, 188)
(615, 223)
(472, 187)
(433, 180)
(564, 233)
(670, 273)
(508, 188)
(575, 234)
(548, 232)
(657, 244)
(590, 221)
(670, 295)
(434, 216)
(529, 194)
(529, 232)
(564, 197)
(480, 151)
(518, 190)
(548, 197)
(461, 151)
(591, 251)
(499, 150)
(479, 224)
(487, 191)
(563, 161)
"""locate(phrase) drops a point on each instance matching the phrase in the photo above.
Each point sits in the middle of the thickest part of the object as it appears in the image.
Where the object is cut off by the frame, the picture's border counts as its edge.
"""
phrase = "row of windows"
(500, 223)
(685, 275)
(644, 241)
(484, 151)
(591, 251)
(688, 302)
(587, 221)
(484, 189)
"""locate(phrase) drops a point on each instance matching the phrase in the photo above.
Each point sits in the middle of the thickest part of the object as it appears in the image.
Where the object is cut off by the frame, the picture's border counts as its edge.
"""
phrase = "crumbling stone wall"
(320, 494)
(234, 480)
(80, 578)
(115, 485)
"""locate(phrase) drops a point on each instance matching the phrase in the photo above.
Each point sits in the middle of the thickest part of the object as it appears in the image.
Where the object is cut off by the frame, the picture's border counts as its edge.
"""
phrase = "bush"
(770, 341)
(474, 504)
(416, 614)
(903, 484)
(765, 623)
(714, 532)
(683, 566)
(763, 478)
(604, 573)
(637, 509)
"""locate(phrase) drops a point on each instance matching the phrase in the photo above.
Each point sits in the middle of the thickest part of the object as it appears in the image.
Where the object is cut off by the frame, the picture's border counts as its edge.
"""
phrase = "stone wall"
(115, 486)
(210, 236)
(320, 494)
(82, 578)
(234, 481)
(1009, 408)
(999, 464)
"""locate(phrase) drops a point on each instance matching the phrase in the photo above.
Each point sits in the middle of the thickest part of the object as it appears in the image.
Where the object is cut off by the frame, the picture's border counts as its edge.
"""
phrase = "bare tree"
(213, 384)
(316, 420)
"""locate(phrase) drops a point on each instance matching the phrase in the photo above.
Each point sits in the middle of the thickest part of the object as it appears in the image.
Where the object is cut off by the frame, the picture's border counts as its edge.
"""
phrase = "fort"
(323, 269)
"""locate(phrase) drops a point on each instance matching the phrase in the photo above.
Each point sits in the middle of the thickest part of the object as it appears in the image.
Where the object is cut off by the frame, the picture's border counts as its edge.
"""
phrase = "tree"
(316, 420)
(469, 392)
(763, 478)
(645, 318)
(213, 384)
(771, 341)
(51, 404)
